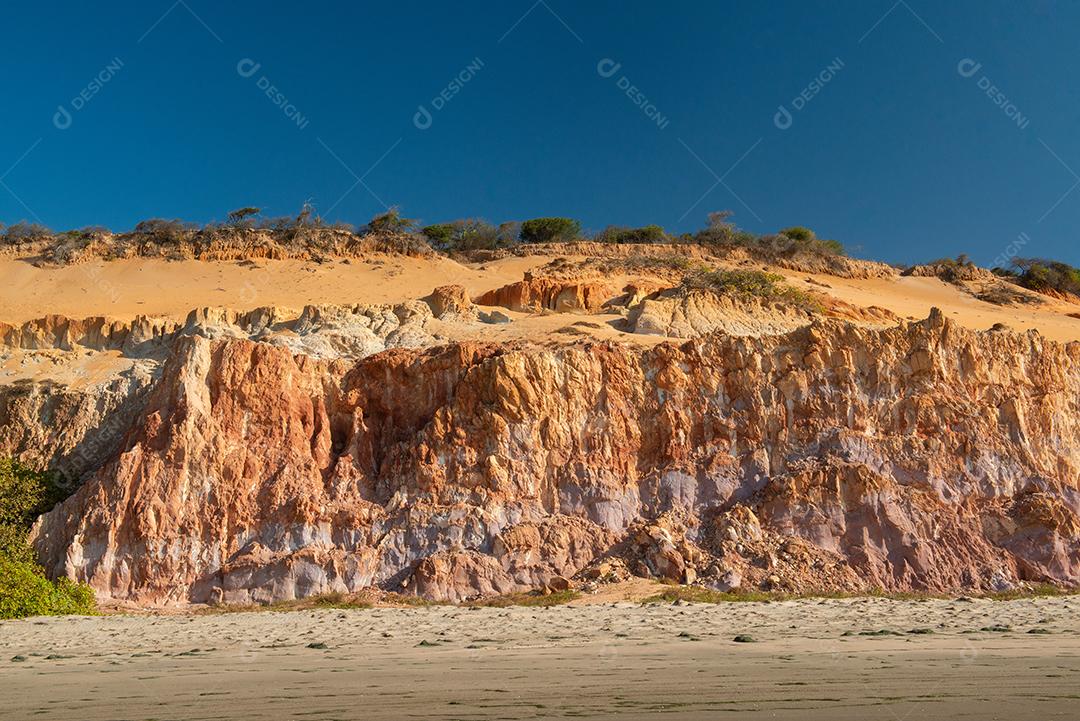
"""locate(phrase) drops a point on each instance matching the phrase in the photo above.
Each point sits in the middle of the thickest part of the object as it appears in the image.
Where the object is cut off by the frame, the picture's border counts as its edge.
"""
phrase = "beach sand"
(809, 660)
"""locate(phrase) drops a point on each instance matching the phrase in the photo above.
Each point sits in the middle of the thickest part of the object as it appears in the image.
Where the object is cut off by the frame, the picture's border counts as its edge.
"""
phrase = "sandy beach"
(829, 659)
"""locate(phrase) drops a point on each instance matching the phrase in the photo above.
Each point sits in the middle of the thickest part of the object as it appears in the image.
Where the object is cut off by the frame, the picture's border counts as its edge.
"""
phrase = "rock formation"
(682, 313)
(831, 457)
(533, 295)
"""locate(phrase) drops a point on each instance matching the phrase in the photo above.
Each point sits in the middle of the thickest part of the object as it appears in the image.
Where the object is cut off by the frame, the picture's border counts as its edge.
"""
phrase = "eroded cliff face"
(923, 456)
(72, 430)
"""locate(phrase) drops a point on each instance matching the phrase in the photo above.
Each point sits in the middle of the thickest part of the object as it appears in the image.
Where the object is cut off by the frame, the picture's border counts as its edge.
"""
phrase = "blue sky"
(613, 112)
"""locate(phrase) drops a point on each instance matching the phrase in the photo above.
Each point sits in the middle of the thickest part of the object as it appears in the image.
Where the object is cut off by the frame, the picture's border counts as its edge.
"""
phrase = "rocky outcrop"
(922, 456)
(682, 313)
(97, 333)
(72, 430)
(324, 331)
(533, 295)
(451, 302)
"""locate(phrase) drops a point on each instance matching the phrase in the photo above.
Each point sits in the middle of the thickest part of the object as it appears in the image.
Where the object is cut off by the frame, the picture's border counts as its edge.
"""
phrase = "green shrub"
(832, 247)
(440, 234)
(805, 240)
(470, 234)
(645, 234)
(799, 234)
(549, 230)
(24, 591)
(751, 282)
(390, 222)
(1044, 276)
(14, 545)
(717, 231)
(25, 494)
(796, 239)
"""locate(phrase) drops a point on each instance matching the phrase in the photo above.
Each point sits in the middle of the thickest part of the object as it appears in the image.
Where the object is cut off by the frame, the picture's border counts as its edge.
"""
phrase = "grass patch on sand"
(335, 600)
(526, 599)
(698, 594)
(326, 600)
(1041, 590)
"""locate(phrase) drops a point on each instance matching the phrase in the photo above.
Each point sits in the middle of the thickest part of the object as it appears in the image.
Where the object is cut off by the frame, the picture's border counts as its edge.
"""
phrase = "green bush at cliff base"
(24, 589)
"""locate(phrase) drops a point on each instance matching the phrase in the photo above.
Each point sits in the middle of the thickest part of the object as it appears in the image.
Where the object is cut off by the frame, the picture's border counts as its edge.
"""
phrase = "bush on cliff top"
(644, 235)
(24, 590)
(756, 283)
(721, 232)
(550, 230)
(471, 234)
(23, 232)
(1043, 276)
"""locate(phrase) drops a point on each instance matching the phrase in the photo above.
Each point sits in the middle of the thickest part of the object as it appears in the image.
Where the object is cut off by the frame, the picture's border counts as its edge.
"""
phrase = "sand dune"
(147, 286)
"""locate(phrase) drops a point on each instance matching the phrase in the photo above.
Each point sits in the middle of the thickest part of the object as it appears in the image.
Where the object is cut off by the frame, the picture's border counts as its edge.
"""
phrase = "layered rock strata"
(832, 457)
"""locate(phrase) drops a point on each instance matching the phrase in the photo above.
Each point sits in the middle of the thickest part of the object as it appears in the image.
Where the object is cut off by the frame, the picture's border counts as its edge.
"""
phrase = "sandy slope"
(911, 298)
(148, 286)
(125, 288)
(603, 661)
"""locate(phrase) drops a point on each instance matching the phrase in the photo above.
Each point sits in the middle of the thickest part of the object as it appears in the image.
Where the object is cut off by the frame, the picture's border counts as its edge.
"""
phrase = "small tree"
(719, 230)
(441, 235)
(804, 239)
(478, 234)
(550, 230)
(391, 222)
(508, 233)
(307, 217)
(243, 217)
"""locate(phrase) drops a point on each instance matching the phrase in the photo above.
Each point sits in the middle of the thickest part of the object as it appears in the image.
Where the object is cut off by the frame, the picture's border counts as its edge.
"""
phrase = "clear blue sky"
(897, 154)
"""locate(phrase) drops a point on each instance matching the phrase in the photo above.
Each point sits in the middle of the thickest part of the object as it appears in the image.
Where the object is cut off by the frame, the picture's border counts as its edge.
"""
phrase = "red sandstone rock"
(924, 456)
